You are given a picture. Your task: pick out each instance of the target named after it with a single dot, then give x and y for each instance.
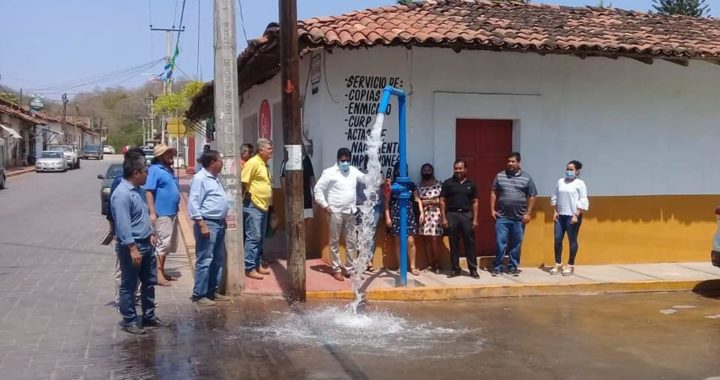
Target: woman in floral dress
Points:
(430, 229)
(392, 220)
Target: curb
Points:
(519, 290)
(16, 173)
(186, 231)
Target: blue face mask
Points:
(569, 174)
(344, 165)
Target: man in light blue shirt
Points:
(163, 198)
(135, 246)
(208, 207)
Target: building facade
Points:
(643, 126)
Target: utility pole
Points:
(167, 85)
(290, 88)
(227, 123)
(64, 119)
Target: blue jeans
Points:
(254, 228)
(209, 259)
(146, 273)
(509, 235)
(562, 225)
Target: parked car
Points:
(72, 158)
(2, 164)
(92, 151)
(51, 161)
(108, 149)
(715, 254)
(114, 170)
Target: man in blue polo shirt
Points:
(135, 246)
(163, 198)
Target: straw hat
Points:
(160, 149)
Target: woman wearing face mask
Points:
(570, 202)
(392, 220)
(429, 194)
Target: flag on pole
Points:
(170, 66)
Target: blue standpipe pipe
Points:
(401, 185)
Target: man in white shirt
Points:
(335, 192)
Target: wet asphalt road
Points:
(57, 320)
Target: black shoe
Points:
(496, 272)
(514, 272)
(133, 329)
(455, 273)
(155, 323)
(474, 273)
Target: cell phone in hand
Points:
(107, 239)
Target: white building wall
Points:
(638, 129)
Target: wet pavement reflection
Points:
(592, 337)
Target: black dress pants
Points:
(460, 225)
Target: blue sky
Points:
(51, 43)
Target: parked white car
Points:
(72, 158)
(108, 149)
(51, 161)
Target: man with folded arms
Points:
(208, 207)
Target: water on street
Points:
(57, 320)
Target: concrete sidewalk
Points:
(12, 172)
(428, 286)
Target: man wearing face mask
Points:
(511, 203)
(335, 192)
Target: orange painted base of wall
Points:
(617, 230)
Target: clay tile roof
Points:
(500, 26)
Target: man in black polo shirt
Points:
(511, 204)
(459, 206)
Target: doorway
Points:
(484, 145)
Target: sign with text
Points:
(363, 93)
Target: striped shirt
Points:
(513, 191)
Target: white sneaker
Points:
(556, 269)
(569, 270)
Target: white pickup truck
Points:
(72, 158)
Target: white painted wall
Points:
(638, 129)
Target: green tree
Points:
(178, 102)
(695, 8)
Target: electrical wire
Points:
(242, 20)
(123, 73)
(182, 14)
(197, 63)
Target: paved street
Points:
(58, 321)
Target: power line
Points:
(197, 63)
(242, 19)
(99, 78)
(182, 14)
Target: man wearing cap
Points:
(163, 198)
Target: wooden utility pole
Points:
(290, 87)
(227, 124)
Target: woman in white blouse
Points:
(570, 202)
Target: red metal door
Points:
(484, 144)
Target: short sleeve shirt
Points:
(513, 191)
(458, 195)
(161, 181)
(256, 176)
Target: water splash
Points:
(366, 228)
(371, 333)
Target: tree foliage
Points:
(695, 8)
(178, 102)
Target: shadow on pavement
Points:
(709, 289)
